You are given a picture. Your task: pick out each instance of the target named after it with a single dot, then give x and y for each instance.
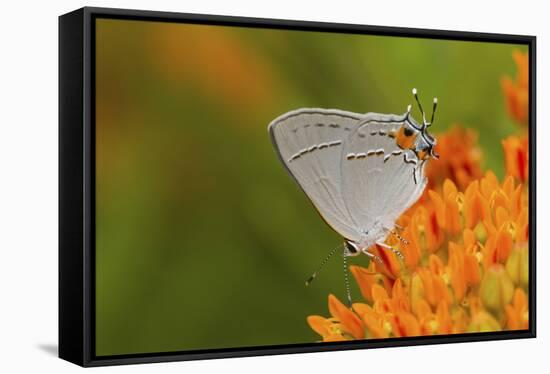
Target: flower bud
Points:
(480, 233)
(483, 322)
(496, 288)
(517, 266)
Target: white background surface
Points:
(28, 185)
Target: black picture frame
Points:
(76, 185)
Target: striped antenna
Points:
(323, 263)
(346, 280)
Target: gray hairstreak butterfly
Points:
(360, 171)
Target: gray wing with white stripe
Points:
(309, 143)
(379, 179)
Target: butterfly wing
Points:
(309, 143)
(380, 180)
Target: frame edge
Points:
(70, 252)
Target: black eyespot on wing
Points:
(407, 131)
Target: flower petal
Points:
(349, 320)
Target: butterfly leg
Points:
(419, 170)
(402, 239)
(396, 234)
(373, 256)
(385, 246)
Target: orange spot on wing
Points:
(404, 139)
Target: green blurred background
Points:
(203, 240)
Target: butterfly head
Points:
(424, 144)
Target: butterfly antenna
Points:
(323, 263)
(433, 111)
(415, 94)
(346, 280)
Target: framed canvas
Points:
(238, 186)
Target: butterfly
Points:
(360, 171)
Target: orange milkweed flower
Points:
(516, 92)
(459, 158)
(375, 325)
(329, 328)
(516, 157)
(351, 324)
(367, 277)
(517, 313)
(469, 272)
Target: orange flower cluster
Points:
(516, 93)
(459, 158)
(516, 148)
(465, 269)
(466, 265)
